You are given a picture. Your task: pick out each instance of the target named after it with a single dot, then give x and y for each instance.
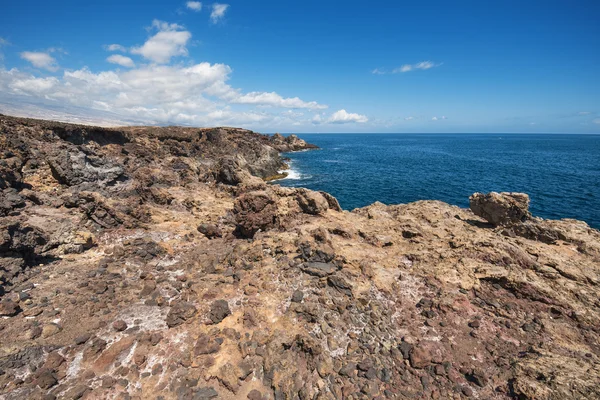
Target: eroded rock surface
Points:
(159, 265)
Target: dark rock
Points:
(119, 325)
(45, 378)
(348, 370)
(320, 269)
(205, 393)
(255, 395)
(211, 231)
(79, 340)
(297, 296)
(219, 310)
(8, 308)
(206, 345)
(255, 211)
(405, 348)
(179, 313)
(340, 284)
(71, 167)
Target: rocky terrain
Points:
(156, 263)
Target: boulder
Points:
(501, 208)
(255, 211)
(73, 167)
(312, 202)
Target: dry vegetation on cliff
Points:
(154, 263)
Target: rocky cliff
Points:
(154, 263)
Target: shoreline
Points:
(160, 256)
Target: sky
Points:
(312, 66)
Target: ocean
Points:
(560, 172)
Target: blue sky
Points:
(311, 66)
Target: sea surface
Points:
(560, 172)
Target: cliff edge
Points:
(156, 263)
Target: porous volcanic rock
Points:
(501, 208)
(111, 288)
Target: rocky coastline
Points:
(157, 263)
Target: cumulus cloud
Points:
(170, 41)
(158, 92)
(114, 47)
(423, 65)
(344, 117)
(275, 100)
(434, 118)
(194, 5)
(40, 60)
(378, 71)
(409, 118)
(218, 12)
(193, 95)
(121, 60)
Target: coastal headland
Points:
(157, 263)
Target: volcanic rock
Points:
(501, 208)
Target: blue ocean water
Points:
(561, 173)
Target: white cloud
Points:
(583, 113)
(409, 118)
(114, 47)
(596, 121)
(196, 94)
(194, 5)
(193, 95)
(378, 71)
(344, 117)
(40, 60)
(275, 100)
(423, 65)
(121, 60)
(170, 41)
(434, 118)
(218, 12)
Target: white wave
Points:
(293, 174)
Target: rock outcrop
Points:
(155, 263)
(501, 208)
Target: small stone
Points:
(529, 327)
(219, 310)
(348, 370)
(35, 332)
(119, 325)
(474, 324)
(467, 391)
(211, 231)
(45, 379)
(297, 296)
(254, 395)
(50, 330)
(179, 313)
(79, 340)
(205, 393)
(8, 308)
